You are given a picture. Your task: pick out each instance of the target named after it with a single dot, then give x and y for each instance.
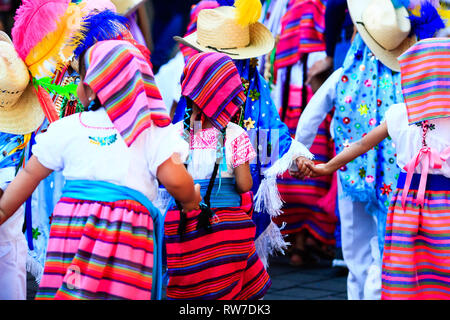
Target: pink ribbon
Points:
(429, 158)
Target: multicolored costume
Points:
(259, 116)
(219, 262)
(416, 260)
(106, 235)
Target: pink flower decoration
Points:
(370, 179)
(348, 99)
(372, 122)
(368, 83)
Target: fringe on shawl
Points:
(268, 198)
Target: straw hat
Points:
(125, 7)
(20, 110)
(217, 31)
(384, 29)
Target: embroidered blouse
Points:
(203, 145)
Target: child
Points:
(416, 256)
(212, 257)
(20, 115)
(105, 235)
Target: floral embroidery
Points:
(205, 139)
(386, 189)
(249, 124)
(242, 150)
(363, 109)
(254, 95)
(36, 233)
(103, 141)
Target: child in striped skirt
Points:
(211, 254)
(416, 259)
(106, 235)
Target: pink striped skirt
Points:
(416, 259)
(99, 250)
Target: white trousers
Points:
(360, 249)
(13, 258)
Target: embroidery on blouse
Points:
(205, 139)
(242, 150)
(103, 141)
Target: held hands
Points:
(195, 203)
(307, 169)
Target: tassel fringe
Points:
(270, 242)
(35, 268)
(268, 198)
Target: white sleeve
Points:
(316, 110)
(162, 143)
(396, 120)
(50, 145)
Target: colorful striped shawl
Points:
(212, 82)
(123, 81)
(425, 73)
(302, 31)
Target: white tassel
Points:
(268, 198)
(269, 242)
(35, 268)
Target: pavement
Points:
(322, 282)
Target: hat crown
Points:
(14, 77)
(218, 28)
(388, 26)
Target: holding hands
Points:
(308, 169)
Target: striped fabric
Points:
(416, 260)
(188, 52)
(304, 208)
(213, 83)
(302, 29)
(425, 72)
(220, 265)
(123, 81)
(99, 250)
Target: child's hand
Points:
(318, 170)
(195, 203)
(304, 168)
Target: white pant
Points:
(13, 257)
(360, 249)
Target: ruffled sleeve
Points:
(162, 143)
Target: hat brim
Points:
(261, 42)
(387, 57)
(126, 7)
(26, 117)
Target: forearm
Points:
(358, 148)
(244, 180)
(21, 188)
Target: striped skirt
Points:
(99, 250)
(219, 265)
(416, 260)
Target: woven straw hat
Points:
(20, 110)
(125, 7)
(384, 29)
(217, 31)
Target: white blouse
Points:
(86, 146)
(238, 150)
(408, 138)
